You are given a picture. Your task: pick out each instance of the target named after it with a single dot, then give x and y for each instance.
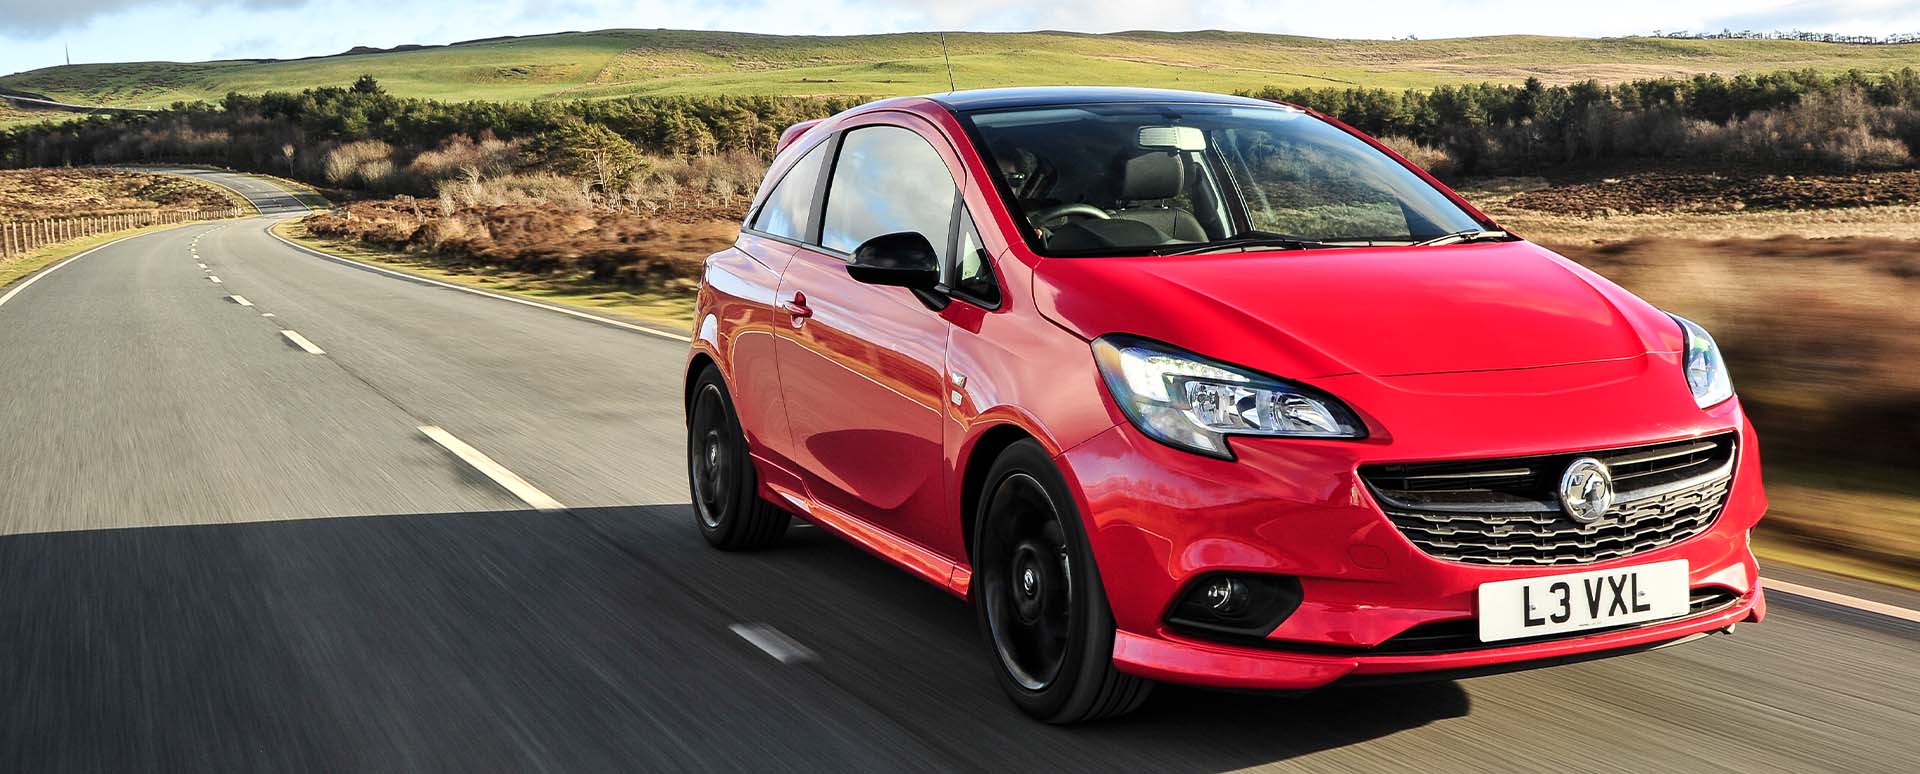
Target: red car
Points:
(1210, 390)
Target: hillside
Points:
(613, 63)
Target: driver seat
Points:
(1148, 184)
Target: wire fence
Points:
(20, 237)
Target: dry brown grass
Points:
(59, 193)
(618, 248)
(1622, 209)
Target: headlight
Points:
(1706, 370)
(1194, 403)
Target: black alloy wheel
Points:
(1039, 599)
(726, 501)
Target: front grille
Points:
(1507, 512)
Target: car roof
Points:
(1046, 96)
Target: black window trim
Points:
(810, 232)
(960, 213)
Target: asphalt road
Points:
(223, 552)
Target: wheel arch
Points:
(986, 448)
(696, 365)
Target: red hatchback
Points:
(1209, 390)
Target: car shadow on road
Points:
(596, 639)
(913, 651)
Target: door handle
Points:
(797, 306)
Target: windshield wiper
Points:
(1247, 240)
(1469, 235)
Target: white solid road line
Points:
(776, 643)
(241, 300)
(301, 342)
(479, 461)
(463, 289)
(1832, 598)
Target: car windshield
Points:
(1130, 179)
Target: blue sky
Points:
(32, 32)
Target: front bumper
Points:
(1158, 518)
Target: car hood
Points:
(1386, 311)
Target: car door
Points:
(862, 367)
(745, 286)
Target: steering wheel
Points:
(1058, 211)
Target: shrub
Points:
(366, 164)
(465, 156)
(1427, 157)
(590, 152)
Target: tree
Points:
(367, 85)
(591, 152)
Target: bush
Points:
(1427, 157)
(363, 164)
(590, 152)
(463, 156)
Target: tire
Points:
(1038, 598)
(726, 500)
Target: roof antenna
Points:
(944, 55)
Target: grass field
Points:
(15, 116)
(612, 63)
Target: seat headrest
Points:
(1152, 175)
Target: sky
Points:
(33, 33)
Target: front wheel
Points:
(1038, 596)
(726, 500)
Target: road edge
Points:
(412, 277)
(13, 287)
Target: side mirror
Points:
(905, 259)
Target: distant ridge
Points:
(656, 62)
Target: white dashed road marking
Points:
(241, 300)
(479, 461)
(216, 279)
(775, 642)
(301, 342)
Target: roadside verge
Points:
(668, 315)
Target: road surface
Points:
(230, 548)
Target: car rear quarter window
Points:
(789, 206)
(888, 180)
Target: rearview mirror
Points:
(905, 259)
(1173, 138)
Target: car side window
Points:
(789, 206)
(972, 271)
(888, 180)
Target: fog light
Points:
(1235, 604)
(1225, 596)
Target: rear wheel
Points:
(1038, 596)
(726, 500)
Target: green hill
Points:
(613, 63)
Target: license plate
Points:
(1552, 604)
